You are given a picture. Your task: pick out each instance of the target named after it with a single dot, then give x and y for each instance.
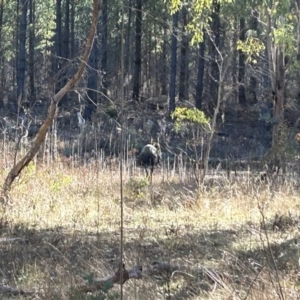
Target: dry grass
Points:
(70, 215)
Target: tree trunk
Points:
(172, 91)
(278, 97)
(21, 60)
(57, 44)
(104, 64)
(241, 70)
(92, 83)
(65, 49)
(163, 65)
(138, 50)
(21, 164)
(200, 74)
(31, 71)
(297, 2)
(235, 55)
(72, 31)
(214, 44)
(184, 46)
(128, 39)
(1, 57)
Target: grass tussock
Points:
(230, 239)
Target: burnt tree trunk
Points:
(163, 65)
(200, 74)
(241, 69)
(104, 39)
(31, 71)
(2, 68)
(172, 91)
(138, 51)
(184, 46)
(21, 60)
(214, 44)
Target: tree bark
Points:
(235, 55)
(172, 91)
(163, 66)
(22, 163)
(57, 43)
(184, 46)
(92, 83)
(31, 52)
(72, 31)
(1, 57)
(214, 43)
(21, 61)
(138, 51)
(200, 75)
(241, 69)
(104, 63)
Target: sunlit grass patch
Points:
(69, 216)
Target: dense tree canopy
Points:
(243, 53)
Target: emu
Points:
(149, 157)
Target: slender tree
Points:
(184, 47)
(31, 70)
(214, 45)
(23, 162)
(138, 51)
(200, 74)
(21, 58)
(241, 69)
(172, 88)
(1, 56)
(104, 46)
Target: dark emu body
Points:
(149, 157)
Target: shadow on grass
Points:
(53, 262)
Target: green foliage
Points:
(184, 115)
(251, 47)
(62, 181)
(136, 188)
(44, 24)
(104, 294)
(111, 111)
(200, 11)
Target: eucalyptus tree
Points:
(21, 49)
(1, 55)
(31, 42)
(200, 74)
(104, 47)
(278, 23)
(138, 49)
(172, 87)
(184, 53)
(23, 162)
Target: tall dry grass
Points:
(224, 237)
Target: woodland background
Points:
(234, 235)
(243, 54)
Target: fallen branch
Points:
(6, 290)
(161, 269)
(137, 272)
(13, 240)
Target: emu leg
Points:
(151, 172)
(146, 171)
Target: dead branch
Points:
(6, 290)
(13, 240)
(155, 269)
(137, 272)
(22, 163)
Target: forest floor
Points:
(230, 239)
